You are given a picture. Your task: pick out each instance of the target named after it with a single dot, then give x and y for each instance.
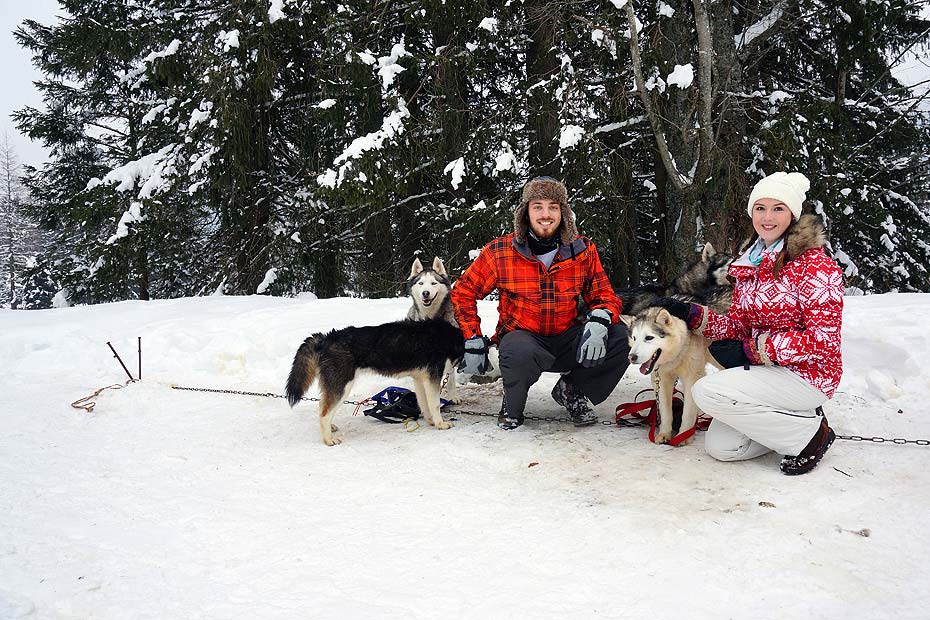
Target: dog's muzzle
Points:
(648, 366)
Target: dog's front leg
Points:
(689, 412)
(452, 392)
(664, 387)
(427, 391)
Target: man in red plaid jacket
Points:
(540, 270)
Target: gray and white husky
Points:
(429, 290)
(669, 351)
(704, 282)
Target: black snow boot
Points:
(505, 420)
(567, 395)
(811, 455)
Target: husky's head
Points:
(717, 264)
(708, 271)
(428, 286)
(656, 337)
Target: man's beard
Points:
(543, 245)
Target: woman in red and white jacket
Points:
(780, 339)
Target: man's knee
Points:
(522, 356)
(514, 347)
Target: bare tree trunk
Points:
(624, 265)
(450, 85)
(542, 66)
(692, 126)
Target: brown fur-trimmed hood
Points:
(549, 189)
(809, 232)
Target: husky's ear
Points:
(708, 252)
(663, 317)
(416, 268)
(438, 267)
(627, 319)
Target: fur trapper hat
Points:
(788, 187)
(544, 188)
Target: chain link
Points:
(896, 440)
(485, 414)
(243, 393)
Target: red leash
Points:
(635, 408)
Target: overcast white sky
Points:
(18, 73)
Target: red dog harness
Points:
(651, 418)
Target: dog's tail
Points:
(304, 370)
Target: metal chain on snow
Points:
(484, 414)
(897, 440)
(243, 393)
(535, 418)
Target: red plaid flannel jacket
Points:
(532, 298)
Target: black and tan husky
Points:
(423, 350)
(703, 282)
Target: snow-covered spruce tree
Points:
(214, 69)
(832, 109)
(114, 237)
(418, 172)
(602, 154)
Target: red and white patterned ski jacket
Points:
(793, 320)
(533, 298)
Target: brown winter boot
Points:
(810, 455)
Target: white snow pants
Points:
(757, 411)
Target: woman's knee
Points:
(721, 449)
(725, 443)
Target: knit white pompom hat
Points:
(788, 187)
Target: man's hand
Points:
(475, 361)
(678, 309)
(593, 344)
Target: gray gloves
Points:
(475, 361)
(593, 345)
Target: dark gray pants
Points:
(524, 356)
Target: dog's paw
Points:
(662, 438)
(444, 425)
(687, 441)
(456, 400)
(332, 441)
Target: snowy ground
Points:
(163, 504)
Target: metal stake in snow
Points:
(116, 355)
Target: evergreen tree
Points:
(247, 146)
